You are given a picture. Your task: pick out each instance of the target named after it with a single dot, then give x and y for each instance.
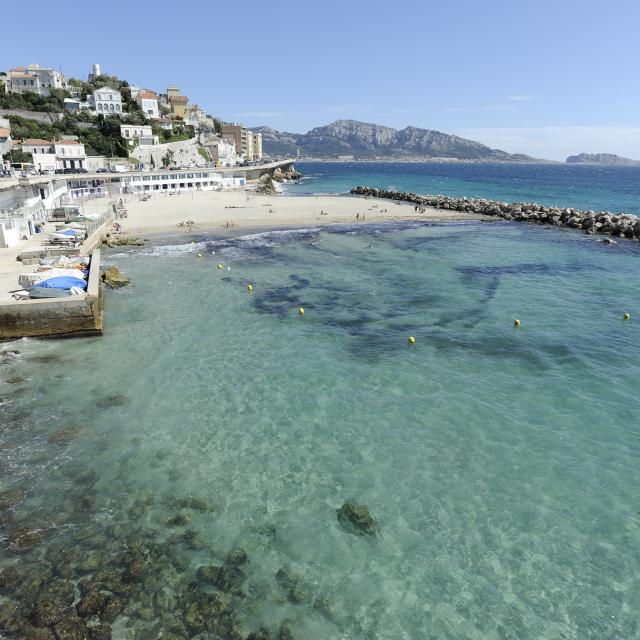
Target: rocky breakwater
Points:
(619, 225)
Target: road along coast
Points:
(620, 225)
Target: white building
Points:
(141, 134)
(176, 181)
(107, 101)
(148, 103)
(48, 155)
(222, 152)
(35, 80)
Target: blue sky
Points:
(536, 76)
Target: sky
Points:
(547, 78)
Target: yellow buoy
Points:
(626, 316)
(516, 323)
(249, 288)
(411, 340)
(301, 311)
(219, 266)
(199, 255)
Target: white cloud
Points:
(556, 143)
(520, 98)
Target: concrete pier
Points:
(58, 317)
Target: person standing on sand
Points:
(357, 216)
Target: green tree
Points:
(167, 158)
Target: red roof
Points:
(148, 95)
(36, 141)
(4, 133)
(68, 142)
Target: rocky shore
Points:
(619, 225)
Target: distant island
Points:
(354, 140)
(601, 158)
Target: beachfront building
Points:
(177, 181)
(222, 152)
(148, 103)
(138, 134)
(34, 79)
(107, 101)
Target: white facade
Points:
(177, 181)
(142, 133)
(35, 80)
(65, 154)
(148, 103)
(70, 154)
(223, 152)
(107, 101)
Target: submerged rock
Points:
(71, 628)
(10, 498)
(24, 539)
(178, 520)
(53, 602)
(92, 603)
(114, 278)
(189, 502)
(260, 634)
(355, 518)
(100, 631)
(64, 436)
(286, 631)
(114, 400)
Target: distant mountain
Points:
(601, 158)
(368, 141)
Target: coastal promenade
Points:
(252, 172)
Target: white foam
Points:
(169, 250)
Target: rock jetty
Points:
(621, 225)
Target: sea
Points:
(181, 476)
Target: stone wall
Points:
(621, 225)
(185, 153)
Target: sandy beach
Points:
(213, 211)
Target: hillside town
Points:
(66, 141)
(53, 124)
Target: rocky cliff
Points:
(364, 140)
(601, 158)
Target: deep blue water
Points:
(587, 187)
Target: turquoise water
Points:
(584, 186)
(501, 464)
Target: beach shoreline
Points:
(225, 211)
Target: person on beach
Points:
(357, 216)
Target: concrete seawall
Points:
(621, 225)
(59, 317)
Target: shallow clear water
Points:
(594, 187)
(501, 464)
